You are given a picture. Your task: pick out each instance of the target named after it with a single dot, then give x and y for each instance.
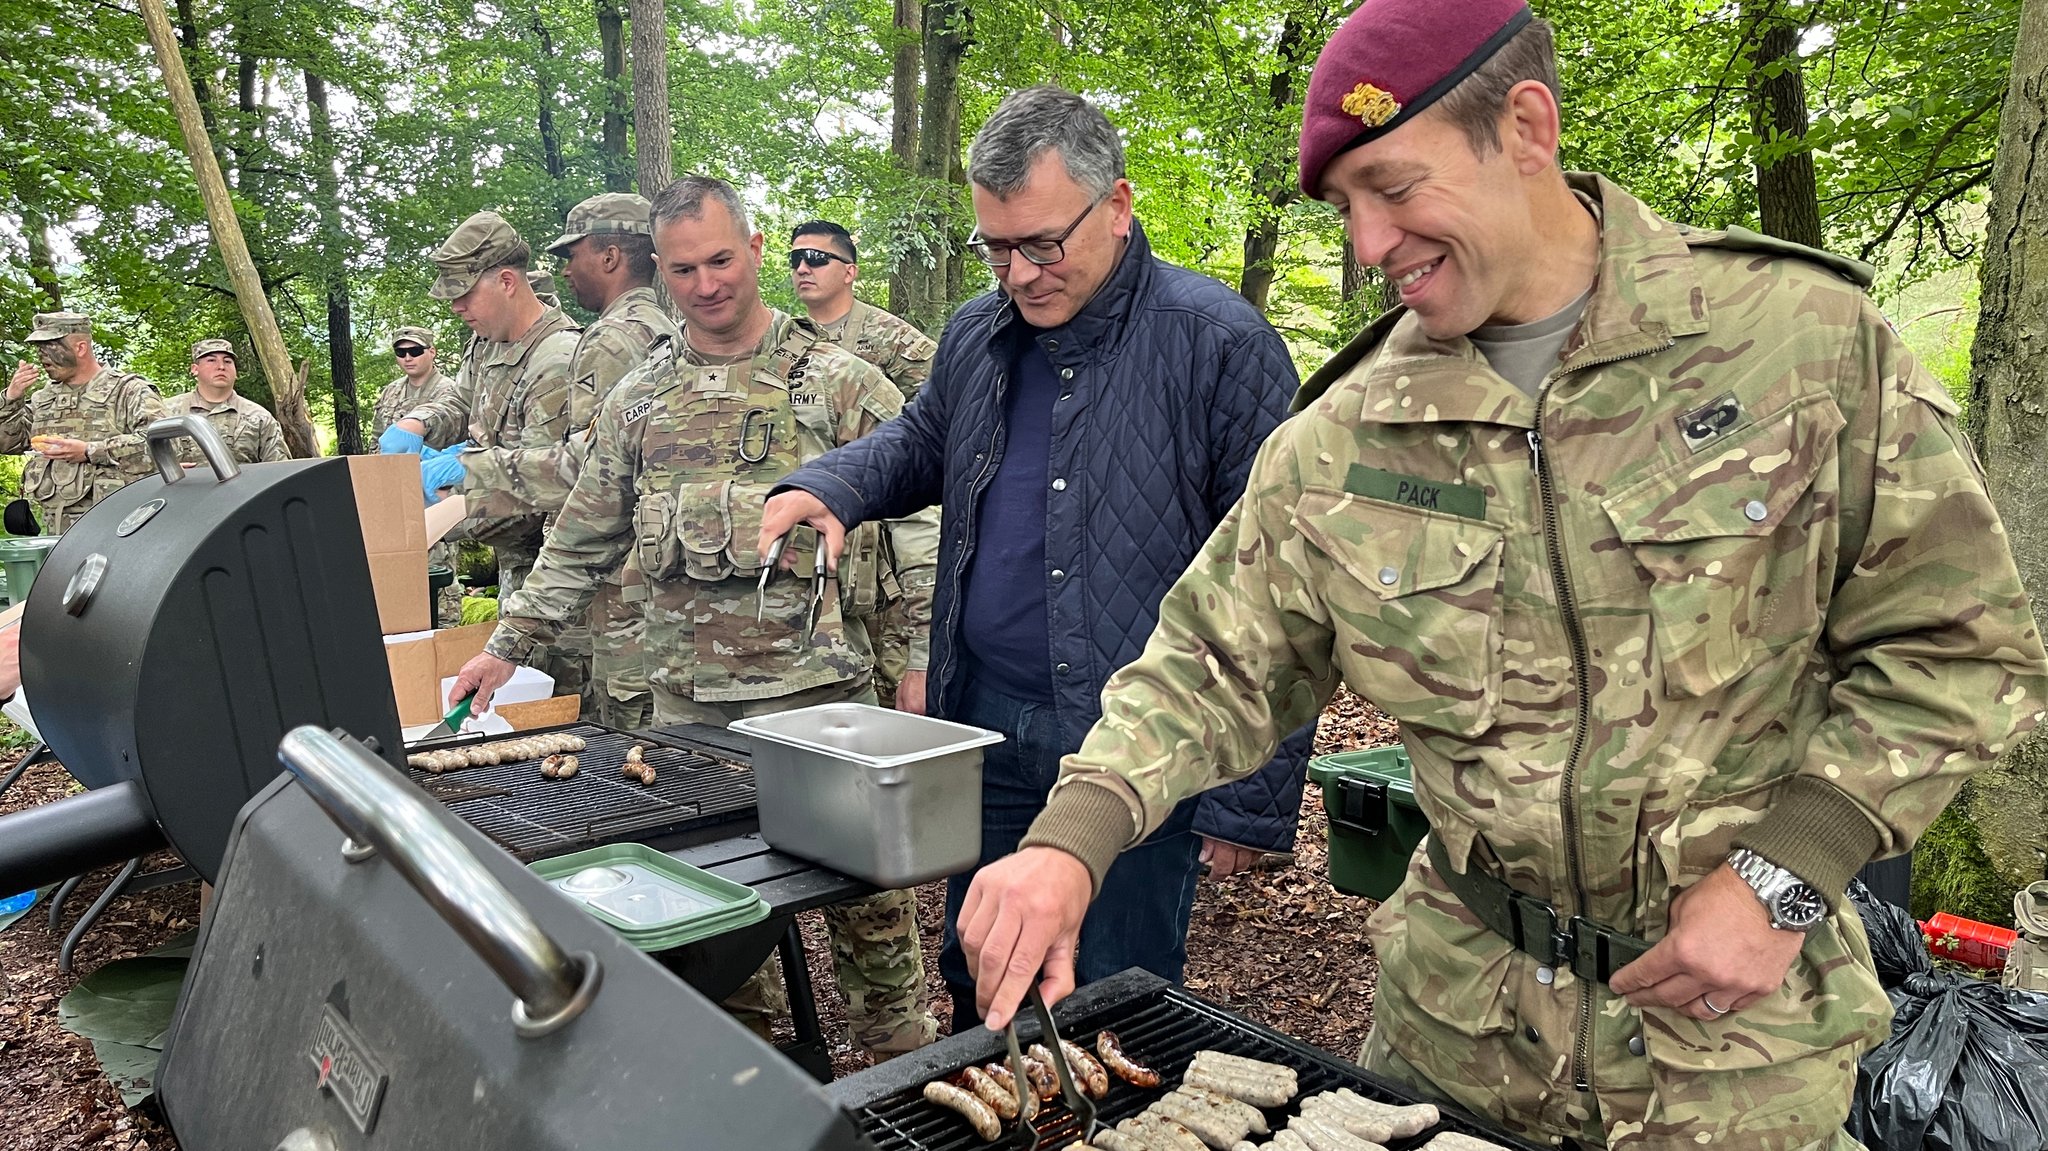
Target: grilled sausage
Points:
(978, 1114)
(1459, 1141)
(1266, 1091)
(1207, 1123)
(1253, 1118)
(568, 767)
(1088, 1074)
(1372, 1119)
(1163, 1133)
(1045, 1082)
(1109, 1139)
(1129, 1070)
(417, 759)
(1322, 1134)
(999, 1098)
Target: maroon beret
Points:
(1389, 61)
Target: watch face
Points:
(1800, 907)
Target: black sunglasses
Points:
(407, 352)
(815, 257)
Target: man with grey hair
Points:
(1086, 425)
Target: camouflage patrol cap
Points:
(1390, 60)
(543, 285)
(209, 347)
(424, 337)
(483, 243)
(57, 325)
(607, 214)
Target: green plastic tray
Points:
(1375, 824)
(705, 905)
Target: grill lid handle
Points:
(162, 432)
(371, 802)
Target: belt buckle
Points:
(1554, 931)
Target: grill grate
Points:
(535, 817)
(1162, 1027)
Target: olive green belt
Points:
(1591, 950)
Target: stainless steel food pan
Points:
(885, 796)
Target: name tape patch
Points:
(638, 409)
(1462, 500)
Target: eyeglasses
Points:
(996, 253)
(408, 352)
(815, 257)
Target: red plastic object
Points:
(1980, 945)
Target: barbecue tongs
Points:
(1027, 1135)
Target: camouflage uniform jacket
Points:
(509, 395)
(1731, 578)
(401, 396)
(109, 412)
(512, 480)
(251, 433)
(887, 341)
(665, 478)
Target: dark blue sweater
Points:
(1004, 624)
(1172, 383)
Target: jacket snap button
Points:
(1058, 574)
(1534, 1035)
(1635, 1045)
(1546, 976)
(1066, 373)
(1756, 511)
(1389, 576)
(1059, 485)
(1060, 667)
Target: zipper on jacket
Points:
(1575, 634)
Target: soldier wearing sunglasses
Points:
(420, 382)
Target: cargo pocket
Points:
(704, 530)
(655, 547)
(1731, 546)
(1418, 618)
(745, 505)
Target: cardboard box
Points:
(420, 660)
(393, 512)
(423, 667)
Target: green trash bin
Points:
(438, 576)
(1375, 824)
(22, 557)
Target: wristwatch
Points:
(1793, 903)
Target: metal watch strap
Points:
(1770, 882)
(1591, 950)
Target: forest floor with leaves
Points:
(1280, 946)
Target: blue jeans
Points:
(1140, 919)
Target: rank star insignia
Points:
(1372, 105)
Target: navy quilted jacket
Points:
(1173, 381)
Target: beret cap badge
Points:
(1372, 105)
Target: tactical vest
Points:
(80, 414)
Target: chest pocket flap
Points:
(1415, 603)
(1733, 545)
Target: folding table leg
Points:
(92, 913)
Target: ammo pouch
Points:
(867, 572)
(1591, 951)
(707, 531)
(2026, 965)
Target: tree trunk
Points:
(544, 85)
(1785, 193)
(1273, 183)
(2008, 418)
(227, 234)
(653, 132)
(42, 264)
(946, 39)
(341, 342)
(906, 62)
(188, 32)
(611, 35)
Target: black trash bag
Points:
(1896, 945)
(1965, 1069)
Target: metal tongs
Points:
(816, 605)
(1077, 1101)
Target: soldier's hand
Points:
(910, 692)
(62, 448)
(1226, 859)
(1720, 955)
(482, 676)
(1021, 921)
(24, 378)
(786, 510)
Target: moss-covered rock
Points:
(1952, 873)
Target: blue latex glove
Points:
(443, 470)
(398, 441)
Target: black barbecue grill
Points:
(535, 817)
(1161, 1026)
